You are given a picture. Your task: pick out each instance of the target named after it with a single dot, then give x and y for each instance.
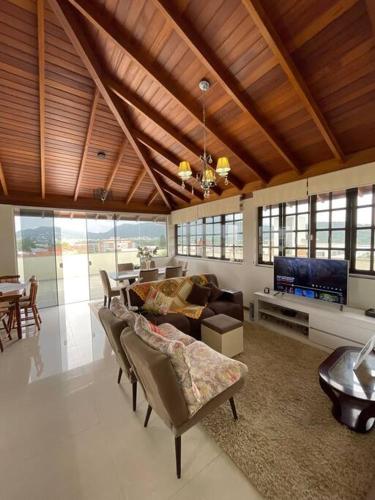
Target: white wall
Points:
(250, 277)
(8, 261)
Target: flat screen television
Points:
(322, 279)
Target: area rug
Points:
(286, 440)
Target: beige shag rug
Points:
(286, 441)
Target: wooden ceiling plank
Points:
(173, 192)
(269, 33)
(73, 29)
(207, 57)
(135, 186)
(370, 4)
(42, 96)
(92, 14)
(176, 180)
(3, 181)
(90, 128)
(117, 164)
(138, 104)
(152, 198)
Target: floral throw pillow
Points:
(122, 312)
(172, 333)
(175, 350)
(157, 302)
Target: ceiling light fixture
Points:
(207, 176)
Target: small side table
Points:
(224, 334)
(351, 392)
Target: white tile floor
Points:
(67, 430)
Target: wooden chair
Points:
(11, 278)
(173, 272)
(148, 275)
(7, 308)
(126, 266)
(29, 304)
(109, 292)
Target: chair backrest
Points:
(113, 327)
(173, 271)
(11, 278)
(158, 378)
(105, 281)
(148, 275)
(126, 266)
(152, 264)
(33, 291)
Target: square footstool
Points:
(224, 334)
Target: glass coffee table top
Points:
(337, 371)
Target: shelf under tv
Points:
(313, 321)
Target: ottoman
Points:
(224, 334)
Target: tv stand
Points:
(314, 321)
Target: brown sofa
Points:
(230, 303)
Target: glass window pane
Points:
(266, 238)
(302, 252)
(275, 223)
(364, 196)
(303, 221)
(290, 208)
(290, 239)
(337, 254)
(338, 219)
(338, 239)
(290, 222)
(322, 238)
(274, 253)
(322, 220)
(339, 200)
(302, 239)
(290, 252)
(275, 239)
(363, 238)
(303, 206)
(266, 211)
(238, 253)
(275, 210)
(321, 253)
(322, 202)
(217, 252)
(364, 217)
(266, 254)
(362, 261)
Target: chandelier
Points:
(207, 177)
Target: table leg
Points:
(18, 320)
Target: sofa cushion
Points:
(215, 293)
(199, 295)
(122, 312)
(178, 320)
(212, 372)
(195, 324)
(170, 332)
(229, 308)
(157, 302)
(176, 351)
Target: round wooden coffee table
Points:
(351, 392)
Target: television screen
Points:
(322, 279)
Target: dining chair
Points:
(11, 278)
(148, 275)
(109, 291)
(29, 304)
(126, 266)
(7, 314)
(173, 272)
(152, 264)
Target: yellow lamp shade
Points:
(222, 167)
(184, 170)
(208, 176)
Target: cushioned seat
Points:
(195, 324)
(228, 308)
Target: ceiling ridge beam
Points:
(273, 40)
(89, 130)
(138, 104)
(227, 81)
(176, 180)
(42, 97)
(74, 31)
(2, 180)
(117, 164)
(158, 74)
(152, 198)
(135, 186)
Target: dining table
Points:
(131, 275)
(15, 290)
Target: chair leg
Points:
(134, 387)
(35, 315)
(105, 300)
(148, 413)
(233, 406)
(119, 375)
(177, 446)
(109, 301)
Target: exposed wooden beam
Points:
(73, 29)
(167, 174)
(158, 73)
(152, 198)
(370, 4)
(89, 130)
(42, 97)
(135, 186)
(269, 33)
(117, 164)
(172, 159)
(2, 180)
(173, 192)
(217, 69)
(137, 103)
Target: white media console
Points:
(319, 322)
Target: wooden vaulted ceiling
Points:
(292, 95)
